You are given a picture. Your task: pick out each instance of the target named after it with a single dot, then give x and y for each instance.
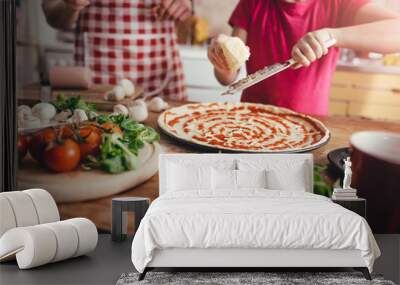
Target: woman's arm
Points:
(63, 14)
(224, 75)
(376, 29)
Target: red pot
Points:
(376, 176)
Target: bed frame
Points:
(242, 259)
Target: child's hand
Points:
(179, 10)
(311, 47)
(77, 5)
(217, 57)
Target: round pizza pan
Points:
(230, 150)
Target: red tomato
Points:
(39, 141)
(22, 147)
(111, 127)
(62, 156)
(67, 131)
(90, 141)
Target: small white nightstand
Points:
(357, 205)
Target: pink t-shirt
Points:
(273, 28)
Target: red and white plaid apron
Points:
(122, 39)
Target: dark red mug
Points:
(376, 176)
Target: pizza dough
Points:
(235, 51)
(244, 127)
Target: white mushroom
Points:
(31, 122)
(121, 109)
(92, 115)
(157, 104)
(21, 117)
(63, 116)
(138, 112)
(137, 102)
(116, 94)
(44, 111)
(20, 121)
(78, 116)
(24, 110)
(128, 87)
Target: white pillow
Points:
(251, 179)
(223, 179)
(183, 177)
(226, 179)
(293, 178)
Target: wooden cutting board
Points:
(81, 185)
(32, 94)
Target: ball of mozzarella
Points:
(235, 51)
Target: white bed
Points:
(195, 223)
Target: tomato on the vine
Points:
(66, 131)
(39, 142)
(62, 155)
(89, 141)
(112, 128)
(22, 147)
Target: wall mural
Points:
(92, 123)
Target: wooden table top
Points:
(99, 210)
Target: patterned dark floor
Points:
(244, 278)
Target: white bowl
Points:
(381, 145)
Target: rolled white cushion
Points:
(35, 245)
(235, 51)
(7, 218)
(45, 205)
(87, 235)
(67, 240)
(23, 208)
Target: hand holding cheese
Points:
(228, 53)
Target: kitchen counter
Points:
(368, 68)
(99, 211)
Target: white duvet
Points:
(250, 219)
